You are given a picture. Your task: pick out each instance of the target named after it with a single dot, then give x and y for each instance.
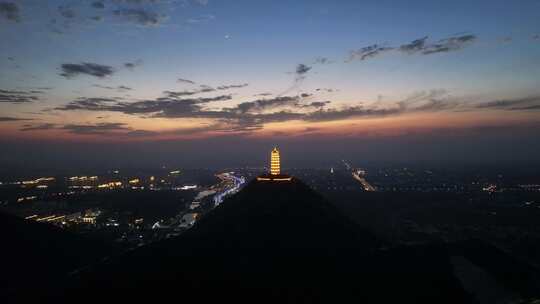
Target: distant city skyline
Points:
(179, 81)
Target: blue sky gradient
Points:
(484, 74)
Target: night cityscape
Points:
(270, 152)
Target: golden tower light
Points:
(274, 162)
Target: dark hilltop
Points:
(272, 242)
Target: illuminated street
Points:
(359, 175)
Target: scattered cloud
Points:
(242, 117)
(263, 94)
(368, 52)
(300, 73)
(349, 112)
(327, 90)
(38, 127)
(202, 89)
(422, 96)
(139, 16)
(205, 88)
(430, 101)
(95, 129)
(103, 87)
(98, 4)
(322, 60)
(178, 94)
(70, 70)
(201, 19)
(418, 46)
(14, 96)
(66, 12)
(124, 88)
(232, 86)
(92, 104)
(171, 104)
(164, 107)
(317, 104)
(302, 69)
(141, 133)
(106, 128)
(518, 104)
(10, 11)
(262, 105)
(415, 46)
(252, 115)
(528, 108)
(8, 118)
(183, 80)
(449, 44)
(120, 88)
(132, 65)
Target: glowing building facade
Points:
(274, 162)
(275, 170)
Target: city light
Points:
(38, 180)
(110, 185)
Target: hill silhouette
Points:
(35, 254)
(271, 242)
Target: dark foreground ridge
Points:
(272, 242)
(35, 254)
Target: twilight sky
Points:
(374, 80)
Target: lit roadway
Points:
(231, 185)
(359, 177)
(367, 186)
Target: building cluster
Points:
(88, 216)
(125, 225)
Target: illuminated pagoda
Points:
(275, 169)
(274, 162)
